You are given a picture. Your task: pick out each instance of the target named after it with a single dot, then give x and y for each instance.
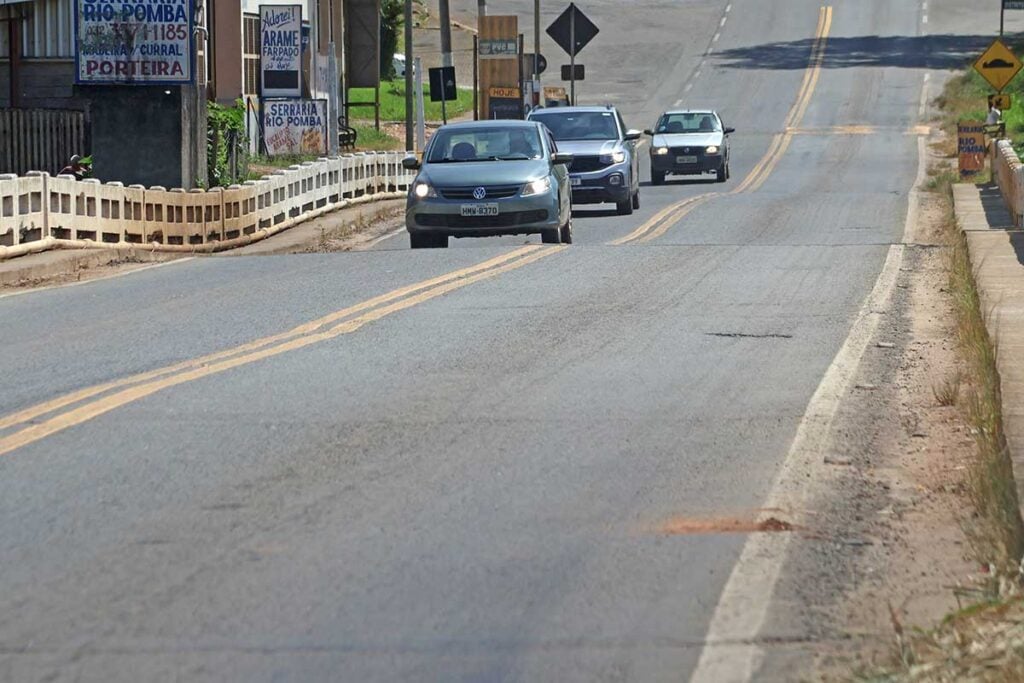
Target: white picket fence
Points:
(1008, 172)
(38, 211)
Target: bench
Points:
(346, 135)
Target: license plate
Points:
(686, 160)
(479, 209)
(575, 182)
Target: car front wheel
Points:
(566, 232)
(657, 177)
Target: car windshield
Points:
(485, 144)
(690, 122)
(580, 125)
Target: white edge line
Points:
(731, 652)
(98, 279)
(716, 37)
(385, 236)
(728, 8)
(678, 102)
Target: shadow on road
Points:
(943, 51)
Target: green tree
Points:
(391, 20)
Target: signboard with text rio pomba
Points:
(134, 42)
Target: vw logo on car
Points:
(479, 193)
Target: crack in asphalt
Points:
(748, 335)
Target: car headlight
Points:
(423, 190)
(534, 187)
(660, 150)
(616, 157)
(713, 149)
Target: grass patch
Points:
(369, 138)
(392, 102)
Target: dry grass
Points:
(947, 393)
(985, 640)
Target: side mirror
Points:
(648, 131)
(730, 130)
(411, 164)
(632, 134)
(561, 158)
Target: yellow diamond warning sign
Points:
(998, 65)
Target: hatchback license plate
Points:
(479, 209)
(686, 160)
(575, 182)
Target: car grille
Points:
(502, 220)
(493, 192)
(688, 151)
(587, 164)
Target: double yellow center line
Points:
(42, 420)
(661, 222)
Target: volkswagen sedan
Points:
(484, 178)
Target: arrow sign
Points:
(998, 65)
(562, 30)
(542, 64)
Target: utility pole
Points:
(408, 75)
(446, 52)
(536, 48)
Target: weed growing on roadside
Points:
(948, 392)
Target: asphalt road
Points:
(468, 480)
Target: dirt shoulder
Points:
(885, 547)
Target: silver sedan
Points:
(486, 178)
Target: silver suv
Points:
(605, 167)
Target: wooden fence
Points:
(41, 139)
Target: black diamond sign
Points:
(562, 30)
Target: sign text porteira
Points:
(134, 42)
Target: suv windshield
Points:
(485, 144)
(690, 122)
(580, 125)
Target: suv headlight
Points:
(616, 157)
(660, 151)
(713, 149)
(535, 187)
(423, 189)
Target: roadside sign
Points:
(132, 42)
(572, 30)
(998, 65)
(442, 83)
(971, 147)
(498, 48)
(573, 72)
(504, 92)
(1000, 102)
(281, 50)
(542, 63)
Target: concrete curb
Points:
(997, 256)
(62, 263)
(53, 258)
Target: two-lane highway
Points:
(463, 464)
